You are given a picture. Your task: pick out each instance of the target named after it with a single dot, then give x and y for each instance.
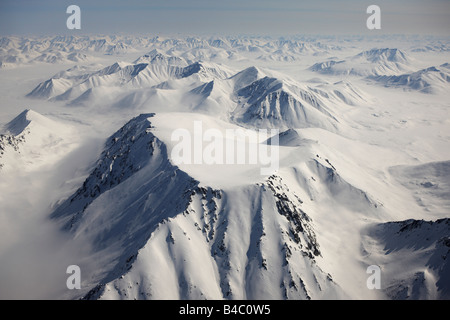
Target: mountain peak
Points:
(246, 77)
(260, 86)
(376, 55)
(157, 57)
(23, 120)
(154, 53)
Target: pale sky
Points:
(226, 17)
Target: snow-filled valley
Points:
(358, 133)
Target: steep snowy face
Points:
(128, 151)
(269, 103)
(132, 188)
(50, 88)
(424, 246)
(246, 77)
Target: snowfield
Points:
(89, 175)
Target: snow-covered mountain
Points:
(360, 176)
(157, 57)
(68, 86)
(32, 140)
(135, 205)
(374, 62)
(195, 231)
(250, 97)
(20, 51)
(290, 138)
(429, 80)
(269, 102)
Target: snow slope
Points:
(423, 246)
(428, 183)
(32, 141)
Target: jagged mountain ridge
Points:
(135, 157)
(64, 86)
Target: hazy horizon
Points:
(286, 17)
